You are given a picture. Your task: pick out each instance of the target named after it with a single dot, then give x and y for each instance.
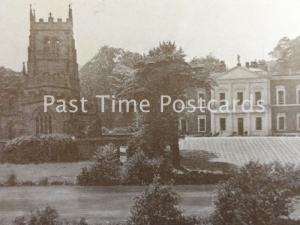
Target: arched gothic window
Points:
(43, 123)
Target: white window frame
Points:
(201, 117)
(297, 94)
(279, 116)
(298, 121)
(278, 89)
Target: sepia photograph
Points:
(161, 112)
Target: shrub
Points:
(40, 149)
(43, 182)
(158, 204)
(197, 221)
(28, 183)
(46, 216)
(49, 216)
(256, 194)
(105, 169)
(139, 169)
(11, 180)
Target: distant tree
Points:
(287, 54)
(104, 74)
(163, 71)
(209, 62)
(283, 50)
(256, 195)
(157, 205)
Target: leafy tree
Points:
(283, 50)
(163, 71)
(209, 62)
(139, 169)
(104, 74)
(105, 169)
(256, 195)
(158, 204)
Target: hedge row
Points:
(40, 149)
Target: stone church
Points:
(52, 69)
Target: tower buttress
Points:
(32, 15)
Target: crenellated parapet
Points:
(51, 23)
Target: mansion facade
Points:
(279, 95)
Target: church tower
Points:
(52, 62)
(52, 69)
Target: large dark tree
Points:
(163, 71)
(257, 194)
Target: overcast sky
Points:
(224, 28)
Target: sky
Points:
(224, 28)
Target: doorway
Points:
(241, 126)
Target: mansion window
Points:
(280, 96)
(222, 97)
(258, 123)
(240, 98)
(298, 95)
(281, 123)
(298, 122)
(222, 124)
(257, 97)
(43, 124)
(201, 123)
